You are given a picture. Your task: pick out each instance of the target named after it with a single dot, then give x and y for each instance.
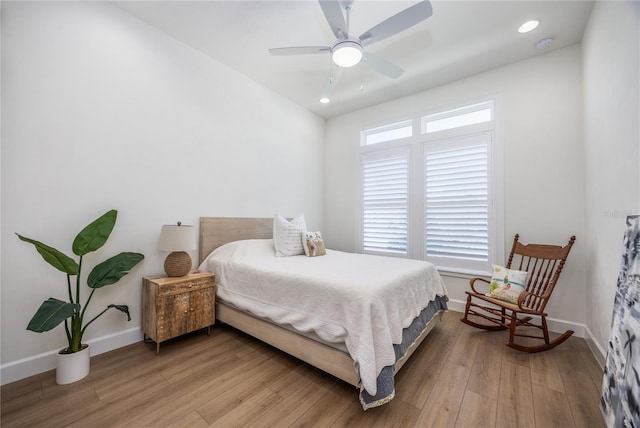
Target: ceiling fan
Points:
(348, 50)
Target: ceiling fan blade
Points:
(397, 23)
(300, 50)
(334, 76)
(382, 66)
(335, 17)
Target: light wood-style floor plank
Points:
(459, 377)
(551, 408)
(443, 406)
(545, 372)
(190, 420)
(428, 361)
(515, 397)
(326, 411)
(477, 411)
(582, 394)
(299, 395)
(485, 372)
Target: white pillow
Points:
(287, 235)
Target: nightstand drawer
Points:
(185, 286)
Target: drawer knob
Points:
(190, 285)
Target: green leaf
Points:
(51, 313)
(111, 270)
(95, 234)
(122, 308)
(55, 258)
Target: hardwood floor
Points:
(459, 377)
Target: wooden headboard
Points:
(217, 231)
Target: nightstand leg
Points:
(209, 331)
(157, 348)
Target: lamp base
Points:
(177, 263)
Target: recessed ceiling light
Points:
(528, 26)
(324, 100)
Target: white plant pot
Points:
(73, 367)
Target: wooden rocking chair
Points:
(544, 264)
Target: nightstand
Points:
(173, 306)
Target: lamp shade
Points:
(177, 237)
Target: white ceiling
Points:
(462, 38)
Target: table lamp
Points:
(177, 238)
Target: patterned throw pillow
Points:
(313, 244)
(507, 284)
(286, 235)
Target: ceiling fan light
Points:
(347, 54)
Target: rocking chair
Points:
(543, 263)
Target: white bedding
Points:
(362, 300)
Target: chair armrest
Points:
(535, 301)
(472, 284)
(521, 298)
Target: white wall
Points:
(101, 111)
(539, 110)
(611, 48)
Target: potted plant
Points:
(53, 311)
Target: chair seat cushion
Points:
(507, 284)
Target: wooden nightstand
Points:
(175, 306)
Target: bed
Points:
(345, 347)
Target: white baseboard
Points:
(20, 369)
(456, 305)
(597, 351)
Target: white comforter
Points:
(362, 300)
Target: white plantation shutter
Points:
(457, 202)
(385, 201)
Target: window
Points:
(385, 211)
(394, 131)
(456, 200)
(456, 118)
(431, 193)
